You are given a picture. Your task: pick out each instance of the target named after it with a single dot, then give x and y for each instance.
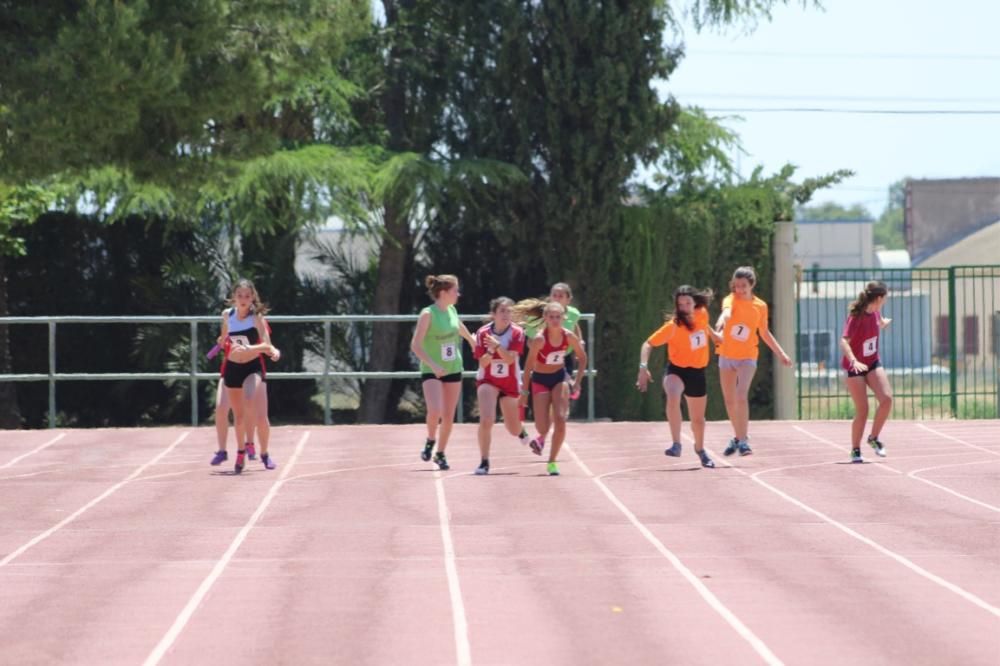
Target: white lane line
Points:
(21, 476)
(462, 650)
(917, 569)
(886, 467)
(79, 512)
(192, 605)
(956, 439)
(14, 461)
(713, 601)
(914, 473)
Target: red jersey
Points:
(551, 354)
(505, 376)
(861, 333)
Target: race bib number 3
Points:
(499, 369)
(698, 340)
(555, 358)
(870, 347)
(740, 332)
(449, 352)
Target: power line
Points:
(845, 56)
(897, 112)
(841, 98)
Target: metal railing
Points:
(941, 352)
(194, 376)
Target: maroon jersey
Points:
(861, 333)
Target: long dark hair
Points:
(701, 297)
(873, 291)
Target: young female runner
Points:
(437, 342)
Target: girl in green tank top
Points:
(437, 342)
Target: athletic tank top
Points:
(551, 354)
(442, 343)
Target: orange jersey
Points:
(740, 338)
(686, 349)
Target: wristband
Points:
(642, 366)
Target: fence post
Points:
(194, 373)
(784, 317)
(590, 368)
(327, 420)
(953, 339)
(996, 358)
(52, 374)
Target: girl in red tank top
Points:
(545, 372)
(859, 345)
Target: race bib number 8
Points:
(449, 352)
(740, 332)
(698, 340)
(870, 346)
(499, 369)
(555, 358)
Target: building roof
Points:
(982, 246)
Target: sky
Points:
(885, 55)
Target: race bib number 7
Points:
(698, 340)
(449, 352)
(870, 346)
(740, 332)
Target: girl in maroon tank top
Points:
(860, 346)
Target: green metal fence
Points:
(940, 352)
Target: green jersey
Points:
(442, 343)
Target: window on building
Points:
(942, 336)
(970, 334)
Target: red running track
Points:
(125, 547)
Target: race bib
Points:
(499, 369)
(740, 332)
(698, 340)
(238, 340)
(870, 346)
(449, 352)
(555, 358)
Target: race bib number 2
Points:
(499, 369)
(870, 347)
(555, 358)
(740, 332)
(449, 352)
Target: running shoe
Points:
(441, 461)
(553, 469)
(877, 445)
(734, 444)
(745, 449)
(484, 468)
(537, 444)
(856, 456)
(524, 437)
(268, 461)
(705, 460)
(674, 451)
(220, 457)
(238, 468)
(251, 451)
(425, 455)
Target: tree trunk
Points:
(394, 254)
(10, 414)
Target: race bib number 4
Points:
(698, 340)
(740, 332)
(870, 347)
(555, 358)
(499, 369)
(449, 352)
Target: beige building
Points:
(834, 243)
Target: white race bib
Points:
(240, 340)
(449, 352)
(870, 347)
(555, 358)
(698, 340)
(740, 332)
(499, 369)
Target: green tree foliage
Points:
(889, 225)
